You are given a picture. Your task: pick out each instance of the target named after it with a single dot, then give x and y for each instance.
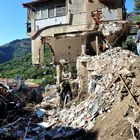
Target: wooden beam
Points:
(97, 46)
(129, 91)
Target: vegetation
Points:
(137, 5)
(130, 44)
(21, 65)
(14, 49)
(136, 16)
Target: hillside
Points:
(16, 56)
(14, 49)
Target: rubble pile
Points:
(111, 68)
(116, 76)
(112, 61)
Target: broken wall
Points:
(110, 10)
(37, 52)
(106, 66)
(68, 48)
(82, 73)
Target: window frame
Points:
(46, 14)
(38, 14)
(51, 14)
(64, 10)
(51, 8)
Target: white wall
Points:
(50, 22)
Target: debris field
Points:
(110, 112)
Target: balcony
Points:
(41, 23)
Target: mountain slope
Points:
(14, 49)
(20, 63)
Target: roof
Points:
(30, 4)
(7, 80)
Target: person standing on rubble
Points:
(92, 84)
(138, 38)
(65, 86)
(65, 92)
(66, 74)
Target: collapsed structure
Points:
(110, 112)
(75, 30)
(73, 27)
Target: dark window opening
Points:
(28, 27)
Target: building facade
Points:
(68, 27)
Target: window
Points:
(51, 12)
(28, 27)
(61, 10)
(38, 14)
(44, 13)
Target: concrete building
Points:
(72, 27)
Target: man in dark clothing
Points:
(65, 93)
(138, 38)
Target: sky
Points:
(13, 19)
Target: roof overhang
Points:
(106, 1)
(109, 1)
(33, 3)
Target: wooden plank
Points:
(97, 46)
(129, 91)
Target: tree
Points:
(137, 6)
(137, 10)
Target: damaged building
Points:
(77, 32)
(74, 27)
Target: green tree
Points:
(137, 6)
(137, 10)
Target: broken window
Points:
(61, 10)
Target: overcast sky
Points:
(13, 19)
